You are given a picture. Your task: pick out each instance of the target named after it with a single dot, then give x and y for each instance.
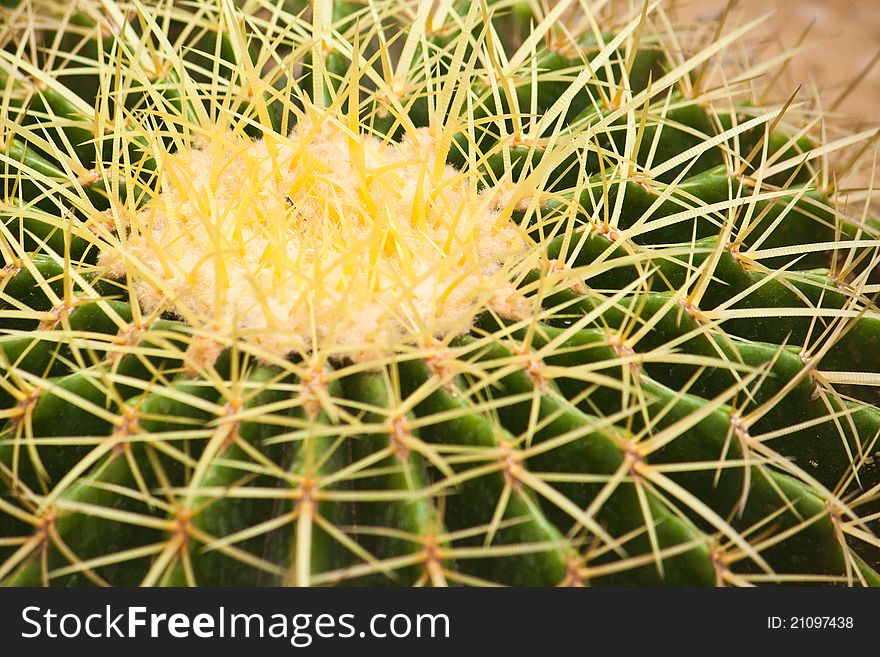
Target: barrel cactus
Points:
(407, 293)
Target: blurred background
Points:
(843, 39)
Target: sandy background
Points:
(843, 40)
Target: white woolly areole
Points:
(324, 241)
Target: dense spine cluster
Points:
(689, 400)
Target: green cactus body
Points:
(390, 294)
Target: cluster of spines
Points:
(650, 425)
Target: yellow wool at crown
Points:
(321, 237)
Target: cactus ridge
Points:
(676, 387)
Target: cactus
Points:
(406, 293)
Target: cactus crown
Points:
(338, 240)
(416, 292)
